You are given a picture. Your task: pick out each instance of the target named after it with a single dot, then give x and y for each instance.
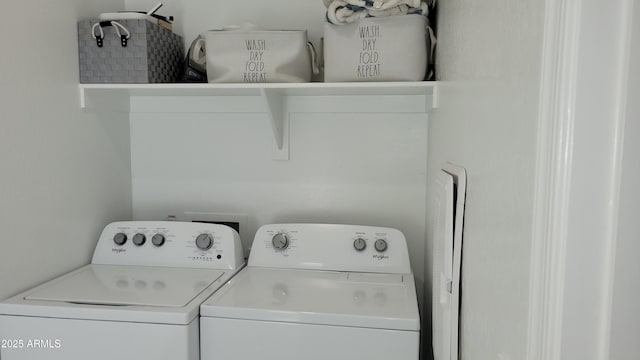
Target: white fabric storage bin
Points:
(264, 56)
(393, 48)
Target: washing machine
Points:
(139, 297)
(317, 291)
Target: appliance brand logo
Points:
(380, 257)
(118, 251)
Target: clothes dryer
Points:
(138, 299)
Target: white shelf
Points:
(299, 89)
(273, 95)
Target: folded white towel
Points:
(380, 4)
(402, 9)
(339, 12)
(348, 11)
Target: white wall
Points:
(625, 323)
(193, 17)
(347, 166)
(489, 61)
(64, 173)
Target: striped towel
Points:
(347, 11)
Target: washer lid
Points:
(383, 301)
(128, 285)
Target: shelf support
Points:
(83, 98)
(274, 101)
(435, 98)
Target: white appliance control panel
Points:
(331, 247)
(169, 244)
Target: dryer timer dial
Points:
(280, 241)
(204, 241)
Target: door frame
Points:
(553, 232)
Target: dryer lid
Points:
(382, 301)
(129, 285)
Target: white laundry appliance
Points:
(317, 291)
(138, 299)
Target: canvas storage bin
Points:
(258, 56)
(151, 54)
(393, 48)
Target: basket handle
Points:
(99, 37)
(314, 58)
(198, 51)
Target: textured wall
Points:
(626, 317)
(353, 168)
(65, 172)
(193, 17)
(346, 166)
(489, 62)
(625, 322)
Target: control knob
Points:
(380, 245)
(360, 244)
(120, 239)
(158, 240)
(139, 239)
(204, 241)
(280, 241)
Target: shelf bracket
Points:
(435, 98)
(274, 101)
(83, 98)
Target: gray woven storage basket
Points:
(152, 54)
